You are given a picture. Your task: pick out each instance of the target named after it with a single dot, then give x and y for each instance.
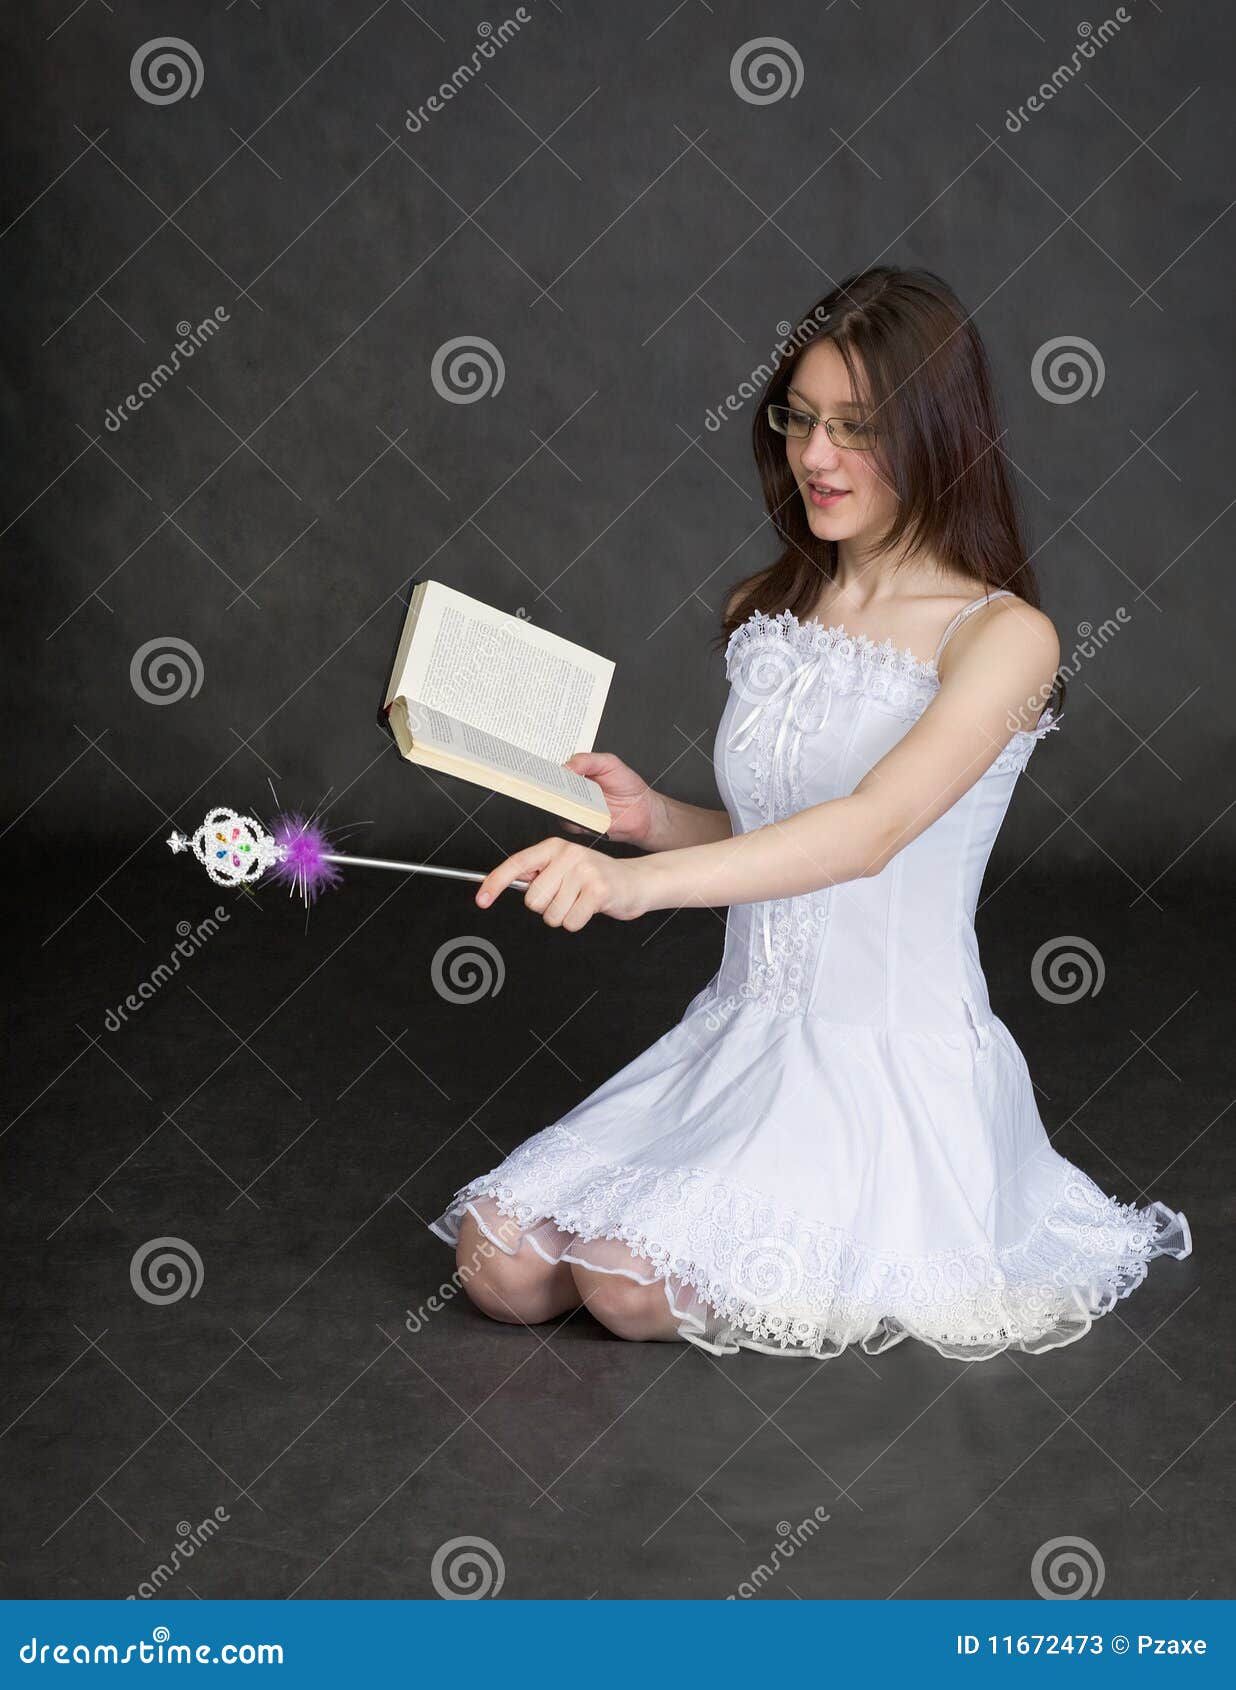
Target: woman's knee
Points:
(522, 1289)
(629, 1310)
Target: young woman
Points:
(839, 1143)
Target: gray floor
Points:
(295, 1105)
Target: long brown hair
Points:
(920, 370)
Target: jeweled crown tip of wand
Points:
(236, 850)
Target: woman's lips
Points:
(826, 497)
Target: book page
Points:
(503, 676)
(440, 732)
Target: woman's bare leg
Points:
(522, 1289)
(638, 1312)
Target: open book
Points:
(493, 699)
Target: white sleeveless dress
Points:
(838, 1143)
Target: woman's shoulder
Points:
(1023, 628)
(1005, 623)
(1008, 638)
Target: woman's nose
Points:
(819, 453)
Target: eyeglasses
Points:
(842, 431)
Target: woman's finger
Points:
(544, 888)
(556, 911)
(522, 866)
(580, 912)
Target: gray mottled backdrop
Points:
(505, 339)
(612, 215)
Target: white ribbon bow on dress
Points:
(796, 683)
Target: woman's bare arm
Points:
(677, 826)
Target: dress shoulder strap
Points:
(968, 610)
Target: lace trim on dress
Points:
(762, 1276)
(856, 663)
(889, 676)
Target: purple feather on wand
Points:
(306, 862)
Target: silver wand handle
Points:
(346, 861)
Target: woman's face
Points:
(844, 496)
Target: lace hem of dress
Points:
(743, 1274)
(890, 676)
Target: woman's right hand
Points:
(633, 804)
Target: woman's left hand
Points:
(569, 883)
